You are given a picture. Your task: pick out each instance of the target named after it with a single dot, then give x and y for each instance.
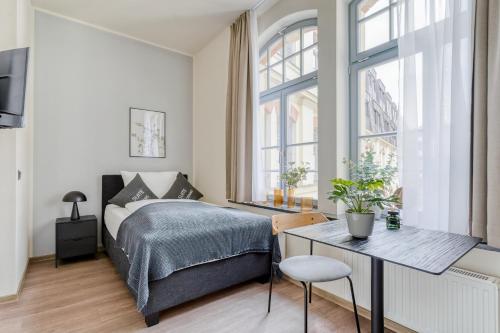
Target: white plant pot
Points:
(360, 224)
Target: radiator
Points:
(458, 301)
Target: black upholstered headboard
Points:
(111, 185)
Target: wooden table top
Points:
(425, 250)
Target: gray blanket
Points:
(162, 238)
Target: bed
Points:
(185, 284)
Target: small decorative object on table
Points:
(76, 237)
(278, 197)
(366, 189)
(292, 177)
(74, 197)
(393, 222)
(306, 204)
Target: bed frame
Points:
(186, 284)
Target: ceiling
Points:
(182, 25)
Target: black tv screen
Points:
(13, 70)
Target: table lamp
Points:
(74, 197)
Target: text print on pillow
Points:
(185, 193)
(182, 189)
(134, 191)
(141, 195)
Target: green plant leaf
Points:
(368, 186)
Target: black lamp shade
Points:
(74, 197)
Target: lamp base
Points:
(75, 214)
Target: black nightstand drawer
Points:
(72, 230)
(76, 238)
(76, 247)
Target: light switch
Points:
(18, 174)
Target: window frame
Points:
(281, 35)
(285, 89)
(356, 56)
(359, 61)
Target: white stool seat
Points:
(314, 268)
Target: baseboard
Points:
(8, 298)
(42, 258)
(53, 256)
(392, 325)
(15, 297)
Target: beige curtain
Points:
(239, 113)
(485, 194)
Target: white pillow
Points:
(158, 182)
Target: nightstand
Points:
(76, 237)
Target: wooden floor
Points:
(88, 296)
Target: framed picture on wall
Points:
(147, 133)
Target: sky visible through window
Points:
(388, 73)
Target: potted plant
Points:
(366, 190)
(292, 177)
(367, 169)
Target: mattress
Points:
(114, 216)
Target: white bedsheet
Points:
(114, 215)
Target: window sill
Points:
(281, 209)
(285, 209)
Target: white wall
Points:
(86, 80)
(16, 26)
(8, 251)
(24, 146)
(210, 87)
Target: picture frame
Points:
(147, 133)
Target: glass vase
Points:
(306, 204)
(278, 197)
(290, 194)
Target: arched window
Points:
(287, 119)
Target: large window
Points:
(288, 113)
(374, 80)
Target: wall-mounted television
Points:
(13, 69)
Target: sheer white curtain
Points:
(258, 185)
(435, 49)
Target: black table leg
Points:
(377, 295)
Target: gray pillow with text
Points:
(182, 189)
(136, 190)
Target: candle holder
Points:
(278, 197)
(290, 194)
(306, 203)
(270, 198)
